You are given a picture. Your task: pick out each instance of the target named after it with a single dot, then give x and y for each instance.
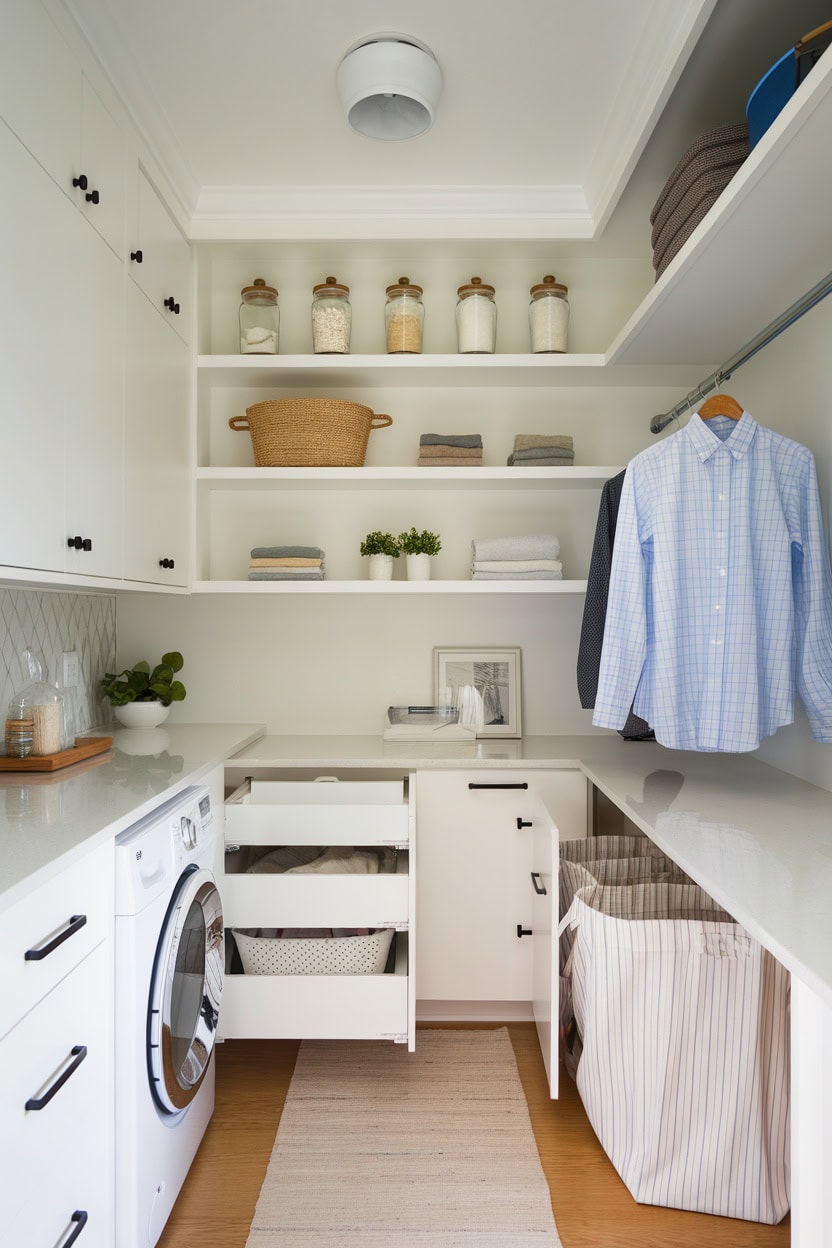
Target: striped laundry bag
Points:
(684, 1072)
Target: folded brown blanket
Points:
(531, 441)
(721, 137)
(448, 452)
(450, 463)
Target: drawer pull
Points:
(76, 922)
(537, 885)
(523, 931)
(38, 1102)
(80, 1217)
(522, 785)
(523, 823)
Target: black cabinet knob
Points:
(166, 563)
(170, 302)
(75, 543)
(523, 823)
(92, 197)
(523, 931)
(81, 181)
(137, 256)
(87, 543)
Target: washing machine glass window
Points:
(185, 991)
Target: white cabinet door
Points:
(156, 458)
(164, 270)
(545, 976)
(103, 161)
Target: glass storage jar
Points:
(44, 706)
(548, 316)
(476, 318)
(18, 738)
(331, 318)
(259, 319)
(404, 318)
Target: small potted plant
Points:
(141, 696)
(419, 548)
(381, 549)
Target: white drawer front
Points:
(83, 893)
(59, 1157)
(349, 812)
(318, 1007)
(301, 900)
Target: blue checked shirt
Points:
(720, 599)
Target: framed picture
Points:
(484, 684)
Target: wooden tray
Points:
(84, 747)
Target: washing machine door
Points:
(185, 991)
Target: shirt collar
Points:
(705, 443)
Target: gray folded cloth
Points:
(542, 452)
(548, 461)
(530, 441)
(297, 575)
(517, 576)
(534, 546)
(450, 439)
(287, 552)
(459, 461)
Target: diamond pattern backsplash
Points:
(49, 624)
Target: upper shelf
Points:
(404, 478)
(765, 243)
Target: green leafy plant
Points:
(424, 543)
(380, 544)
(141, 684)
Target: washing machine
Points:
(169, 974)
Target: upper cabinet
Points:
(160, 262)
(103, 167)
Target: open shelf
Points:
(404, 478)
(390, 587)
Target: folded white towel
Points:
(517, 565)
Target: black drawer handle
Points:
(76, 922)
(93, 197)
(523, 823)
(75, 925)
(538, 887)
(80, 1216)
(138, 256)
(523, 931)
(81, 181)
(38, 1102)
(523, 785)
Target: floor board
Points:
(592, 1207)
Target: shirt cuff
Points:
(610, 717)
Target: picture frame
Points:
(484, 683)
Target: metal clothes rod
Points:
(772, 331)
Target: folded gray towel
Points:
(450, 439)
(287, 552)
(536, 546)
(542, 452)
(551, 461)
(286, 576)
(517, 576)
(528, 441)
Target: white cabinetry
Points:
(160, 259)
(476, 832)
(56, 1060)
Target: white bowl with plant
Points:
(380, 549)
(141, 696)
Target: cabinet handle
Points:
(538, 887)
(523, 785)
(92, 197)
(80, 1216)
(172, 305)
(86, 544)
(38, 1102)
(81, 181)
(523, 823)
(137, 256)
(523, 931)
(166, 563)
(76, 922)
(75, 543)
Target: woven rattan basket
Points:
(309, 433)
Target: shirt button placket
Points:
(719, 600)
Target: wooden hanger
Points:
(720, 405)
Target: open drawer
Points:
(318, 812)
(317, 900)
(318, 1007)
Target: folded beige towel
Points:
(285, 563)
(450, 463)
(449, 452)
(530, 441)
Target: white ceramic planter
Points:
(142, 714)
(380, 567)
(418, 567)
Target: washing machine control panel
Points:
(190, 829)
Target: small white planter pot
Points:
(418, 567)
(142, 714)
(380, 567)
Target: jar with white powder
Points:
(548, 316)
(331, 318)
(404, 318)
(476, 318)
(259, 319)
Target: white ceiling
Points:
(545, 108)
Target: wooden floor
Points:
(592, 1207)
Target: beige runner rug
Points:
(381, 1148)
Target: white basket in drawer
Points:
(308, 812)
(322, 955)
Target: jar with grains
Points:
(18, 738)
(404, 318)
(41, 703)
(476, 318)
(548, 316)
(259, 319)
(331, 318)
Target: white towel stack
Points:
(529, 558)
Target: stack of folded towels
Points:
(542, 450)
(286, 563)
(516, 559)
(450, 450)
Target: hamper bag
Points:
(309, 433)
(684, 1072)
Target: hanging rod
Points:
(772, 331)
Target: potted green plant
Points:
(419, 549)
(141, 696)
(381, 549)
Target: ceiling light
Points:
(389, 86)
